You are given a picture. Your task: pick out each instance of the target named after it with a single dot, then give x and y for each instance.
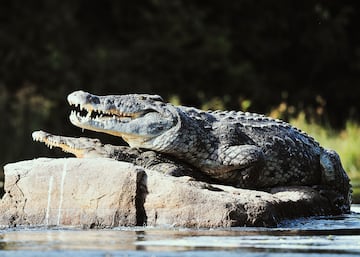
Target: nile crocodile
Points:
(242, 149)
(83, 147)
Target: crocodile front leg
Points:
(245, 163)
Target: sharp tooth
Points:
(88, 114)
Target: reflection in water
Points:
(140, 236)
(340, 235)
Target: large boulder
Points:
(70, 192)
(108, 193)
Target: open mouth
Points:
(85, 113)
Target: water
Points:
(336, 236)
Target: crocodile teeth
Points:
(101, 115)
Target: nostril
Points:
(107, 102)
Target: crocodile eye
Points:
(108, 102)
(159, 128)
(151, 97)
(157, 98)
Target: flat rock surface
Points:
(107, 193)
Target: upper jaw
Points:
(120, 105)
(102, 108)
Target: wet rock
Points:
(107, 193)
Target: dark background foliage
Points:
(304, 53)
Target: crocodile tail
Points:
(335, 177)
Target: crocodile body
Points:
(236, 148)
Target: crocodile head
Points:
(81, 147)
(139, 119)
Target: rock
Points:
(91, 192)
(108, 193)
(184, 202)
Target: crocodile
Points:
(241, 149)
(83, 147)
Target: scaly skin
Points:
(242, 149)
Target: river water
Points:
(320, 236)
